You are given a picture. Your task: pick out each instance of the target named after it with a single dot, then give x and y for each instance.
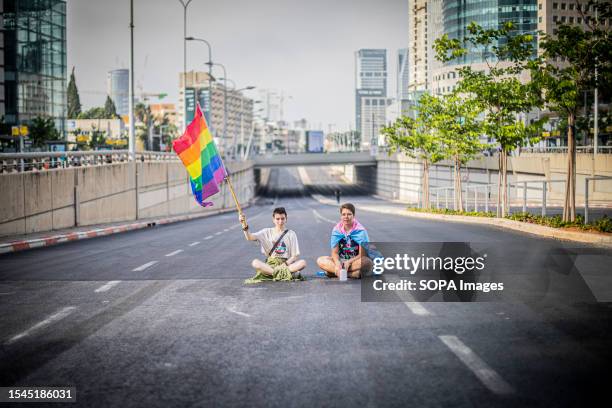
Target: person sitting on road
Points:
(348, 243)
(280, 245)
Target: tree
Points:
(42, 129)
(97, 139)
(498, 89)
(142, 114)
(415, 137)
(93, 113)
(74, 101)
(455, 124)
(564, 71)
(110, 111)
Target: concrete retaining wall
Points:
(63, 198)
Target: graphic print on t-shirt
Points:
(347, 248)
(281, 250)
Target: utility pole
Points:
(185, 5)
(595, 103)
(131, 141)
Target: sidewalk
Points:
(14, 243)
(384, 207)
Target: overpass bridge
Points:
(315, 159)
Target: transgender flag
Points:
(199, 154)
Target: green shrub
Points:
(603, 224)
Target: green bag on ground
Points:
(281, 272)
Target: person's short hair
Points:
(279, 210)
(348, 206)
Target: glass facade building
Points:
(403, 74)
(118, 83)
(489, 14)
(35, 61)
(370, 91)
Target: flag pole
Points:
(231, 187)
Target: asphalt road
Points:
(161, 317)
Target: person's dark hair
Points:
(279, 210)
(348, 206)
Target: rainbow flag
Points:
(199, 154)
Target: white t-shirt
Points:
(287, 248)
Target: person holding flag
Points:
(349, 243)
(280, 246)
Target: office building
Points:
(451, 17)
(118, 88)
(370, 93)
(34, 63)
(239, 122)
(403, 74)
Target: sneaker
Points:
(297, 275)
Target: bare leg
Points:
(297, 265)
(326, 263)
(263, 267)
(359, 267)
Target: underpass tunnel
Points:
(296, 181)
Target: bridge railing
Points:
(41, 161)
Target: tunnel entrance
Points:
(325, 180)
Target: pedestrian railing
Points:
(586, 193)
(484, 196)
(563, 149)
(41, 161)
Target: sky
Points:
(303, 48)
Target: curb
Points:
(16, 246)
(534, 229)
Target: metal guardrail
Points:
(41, 161)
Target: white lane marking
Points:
(225, 230)
(304, 177)
(238, 313)
(145, 266)
(194, 243)
(417, 308)
(410, 302)
(481, 370)
(107, 286)
(178, 251)
(7, 293)
(316, 214)
(219, 233)
(208, 237)
(51, 319)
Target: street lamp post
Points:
(247, 88)
(209, 101)
(210, 64)
(252, 135)
(131, 141)
(185, 4)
